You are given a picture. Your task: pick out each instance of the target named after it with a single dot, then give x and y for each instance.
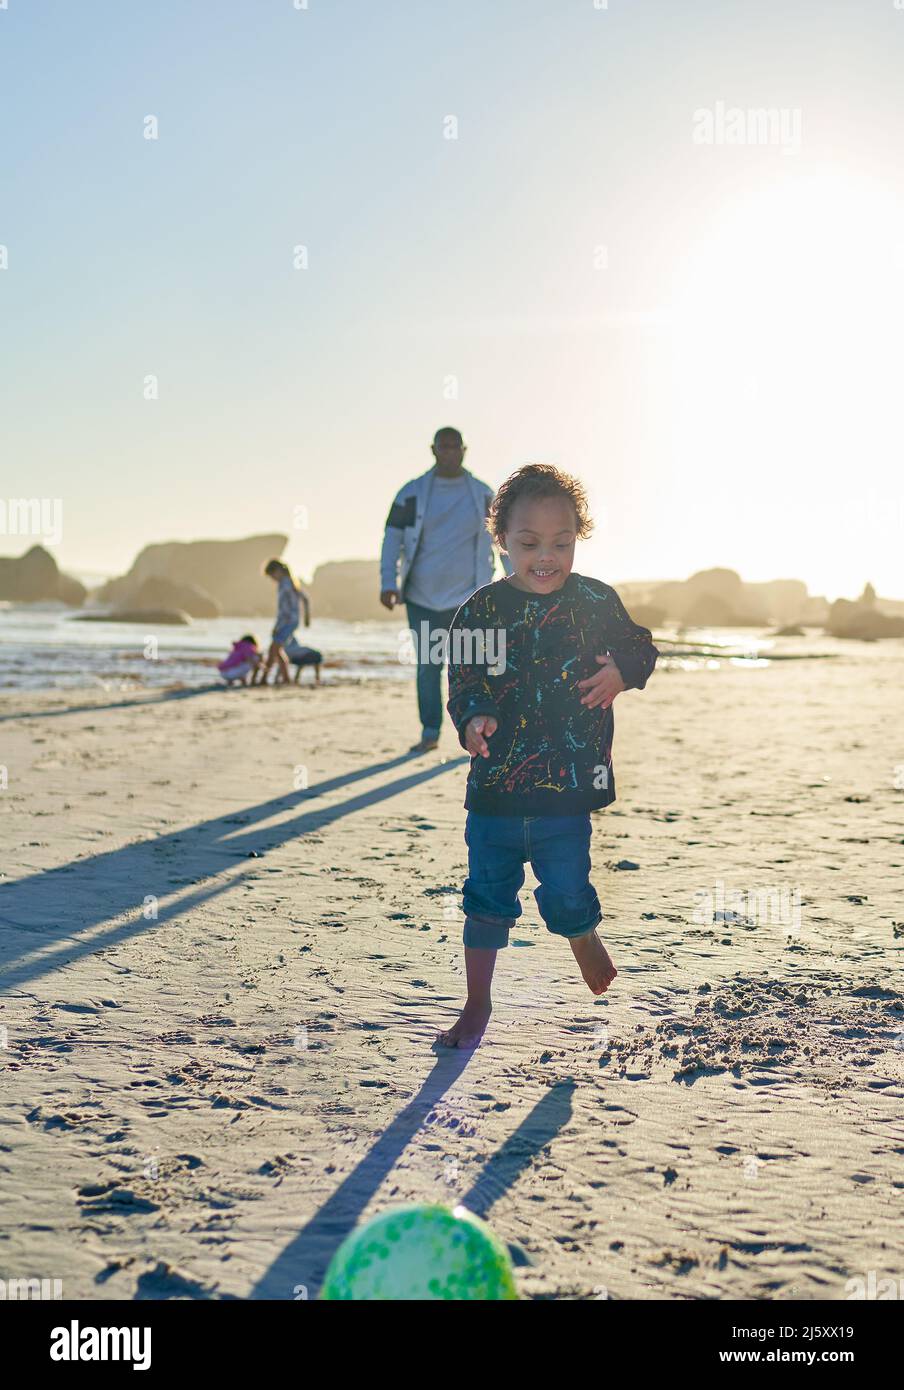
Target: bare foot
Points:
(467, 1032)
(594, 960)
(425, 745)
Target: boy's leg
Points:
(560, 857)
(495, 873)
(471, 1023)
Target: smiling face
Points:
(540, 543)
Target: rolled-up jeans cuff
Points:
(487, 933)
(571, 931)
(429, 733)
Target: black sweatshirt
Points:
(519, 657)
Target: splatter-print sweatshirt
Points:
(519, 657)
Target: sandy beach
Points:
(231, 932)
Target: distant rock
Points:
(712, 610)
(720, 598)
(710, 598)
(71, 591)
(217, 576)
(717, 583)
(783, 601)
(815, 612)
(648, 615)
(163, 593)
(863, 619)
(348, 589)
(792, 631)
(35, 577)
(165, 617)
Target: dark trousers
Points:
(426, 626)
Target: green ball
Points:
(421, 1253)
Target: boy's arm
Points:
(630, 645)
(470, 690)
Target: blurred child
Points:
(242, 661)
(289, 595)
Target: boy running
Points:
(537, 720)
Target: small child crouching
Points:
(242, 661)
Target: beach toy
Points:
(421, 1253)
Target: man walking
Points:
(436, 536)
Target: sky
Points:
(550, 223)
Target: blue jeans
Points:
(429, 673)
(558, 848)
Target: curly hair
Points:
(533, 482)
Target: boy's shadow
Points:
(303, 1263)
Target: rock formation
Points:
(348, 589)
(36, 578)
(710, 598)
(720, 598)
(863, 618)
(647, 614)
(202, 577)
(158, 593)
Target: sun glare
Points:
(786, 337)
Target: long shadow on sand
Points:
(156, 698)
(303, 1262)
(60, 904)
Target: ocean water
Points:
(47, 648)
(44, 647)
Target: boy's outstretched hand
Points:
(477, 731)
(602, 688)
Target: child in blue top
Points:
(536, 716)
(289, 595)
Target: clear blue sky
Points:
(728, 386)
